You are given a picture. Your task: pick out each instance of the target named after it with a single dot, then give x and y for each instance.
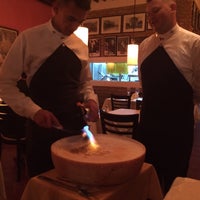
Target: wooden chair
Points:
(120, 101)
(12, 132)
(119, 124)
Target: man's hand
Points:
(46, 119)
(93, 113)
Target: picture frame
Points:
(134, 22)
(7, 37)
(110, 46)
(198, 24)
(122, 43)
(48, 2)
(111, 24)
(194, 11)
(92, 25)
(94, 46)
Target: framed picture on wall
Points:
(194, 11)
(110, 46)
(94, 45)
(122, 43)
(49, 2)
(111, 24)
(134, 22)
(198, 25)
(92, 25)
(7, 37)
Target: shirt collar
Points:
(165, 36)
(54, 31)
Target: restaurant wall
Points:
(23, 14)
(103, 88)
(184, 13)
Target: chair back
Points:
(119, 124)
(120, 101)
(13, 132)
(11, 124)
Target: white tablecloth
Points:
(2, 186)
(123, 111)
(144, 186)
(184, 189)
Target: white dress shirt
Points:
(183, 47)
(29, 51)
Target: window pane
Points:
(114, 72)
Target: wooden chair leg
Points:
(18, 162)
(0, 148)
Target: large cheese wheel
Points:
(116, 159)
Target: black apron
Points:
(54, 87)
(166, 123)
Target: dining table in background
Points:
(124, 111)
(49, 186)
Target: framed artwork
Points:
(92, 25)
(7, 37)
(122, 43)
(94, 45)
(134, 22)
(110, 46)
(194, 11)
(198, 24)
(111, 24)
(49, 2)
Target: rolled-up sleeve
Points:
(10, 73)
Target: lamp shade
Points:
(132, 57)
(82, 33)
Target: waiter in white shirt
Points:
(169, 67)
(58, 76)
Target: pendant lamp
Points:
(132, 49)
(82, 33)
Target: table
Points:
(124, 111)
(2, 186)
(107, 106)
(144, 186)
(184, 189)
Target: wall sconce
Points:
(132, 54)
(132, 49)
(82, 33)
